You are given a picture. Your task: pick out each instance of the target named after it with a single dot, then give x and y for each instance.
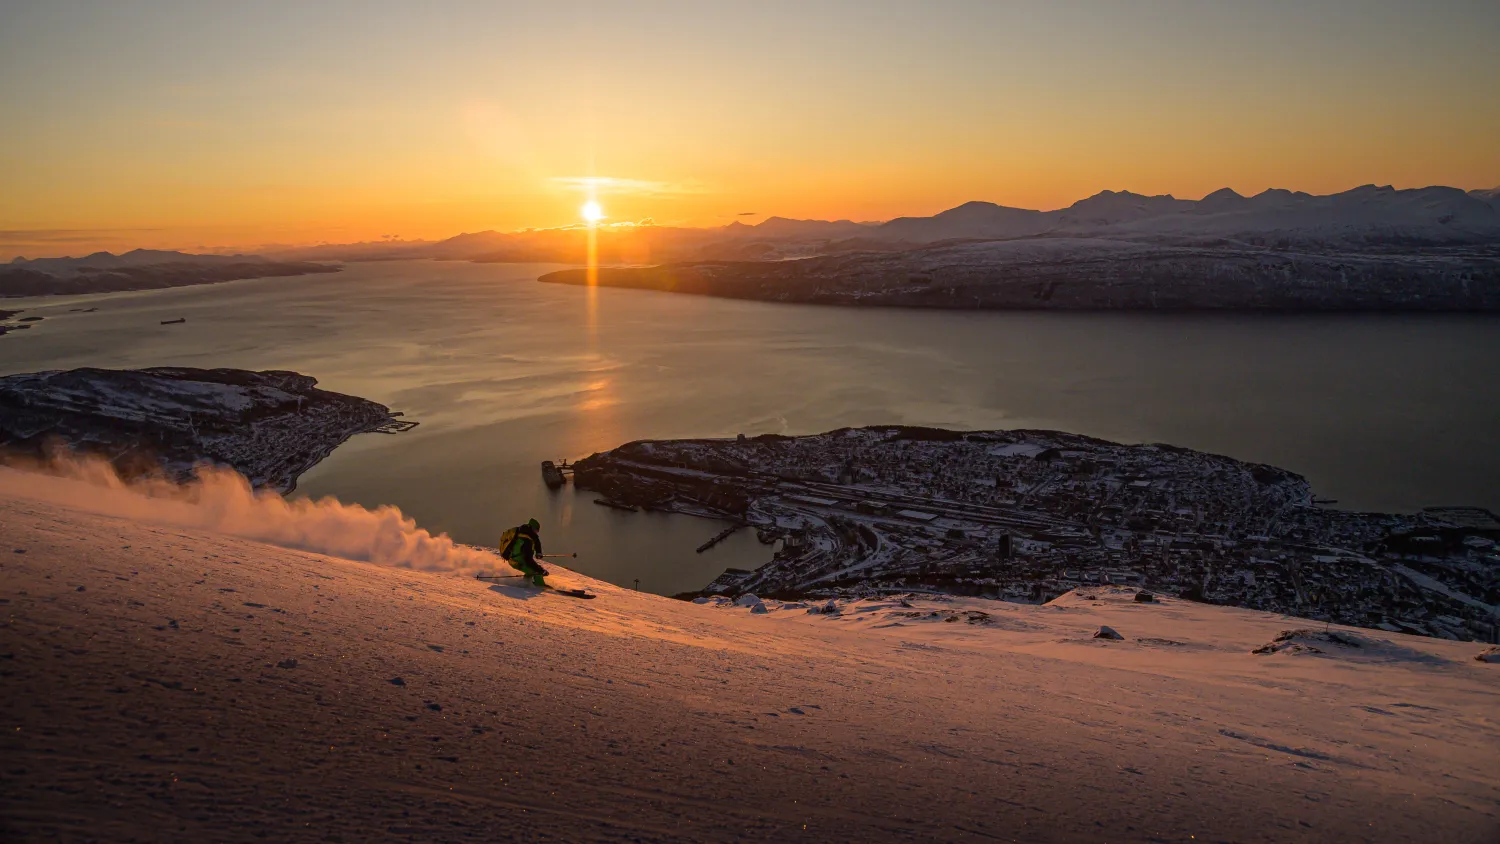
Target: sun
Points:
(591, 211)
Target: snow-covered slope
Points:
(784, 228)
(1364, 216)
(972, 219)
(170, 683)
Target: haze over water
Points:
(1381, 412)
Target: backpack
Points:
(506, 540)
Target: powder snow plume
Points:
(221, 500)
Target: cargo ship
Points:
(551, 475)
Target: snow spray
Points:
(220, 500)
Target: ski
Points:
(571, 593)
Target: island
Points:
(5, 317)
(1030, 515)
(270, 426)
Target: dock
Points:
(394, 426)
(720, 537)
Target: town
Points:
(1029, 515)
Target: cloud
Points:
(609, 185)
(66, 235)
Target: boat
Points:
(551, 475)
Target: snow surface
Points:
(163, 681)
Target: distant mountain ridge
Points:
(133, 258)
(138, 269)
(1368, 218)
(1365, 215)
(972, 219)
(1364, 218)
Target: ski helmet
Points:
(533, 524)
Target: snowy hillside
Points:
(1367, 219)
(171, 682)
(1088, 273)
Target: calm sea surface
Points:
(1379, 412)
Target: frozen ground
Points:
(164, 682)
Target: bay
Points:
(1382, 412)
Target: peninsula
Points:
(1030, 515)
(6, 325)
(1047, 273)
(269, 426)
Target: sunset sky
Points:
(236, 124)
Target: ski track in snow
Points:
(167, 682)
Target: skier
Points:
(522, 547)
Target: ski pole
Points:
(550, 556)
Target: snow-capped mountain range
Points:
(1368, 215)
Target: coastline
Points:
(1028, 515)
(19, 282)
(270, 426)
(1061, 275)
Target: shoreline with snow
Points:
(1087, 274)
(271, 426)
(1028, 515)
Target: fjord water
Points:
(1382, 412)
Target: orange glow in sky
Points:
(187, 125)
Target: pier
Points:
(720, 537)
(394, 425)
(606, 502)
